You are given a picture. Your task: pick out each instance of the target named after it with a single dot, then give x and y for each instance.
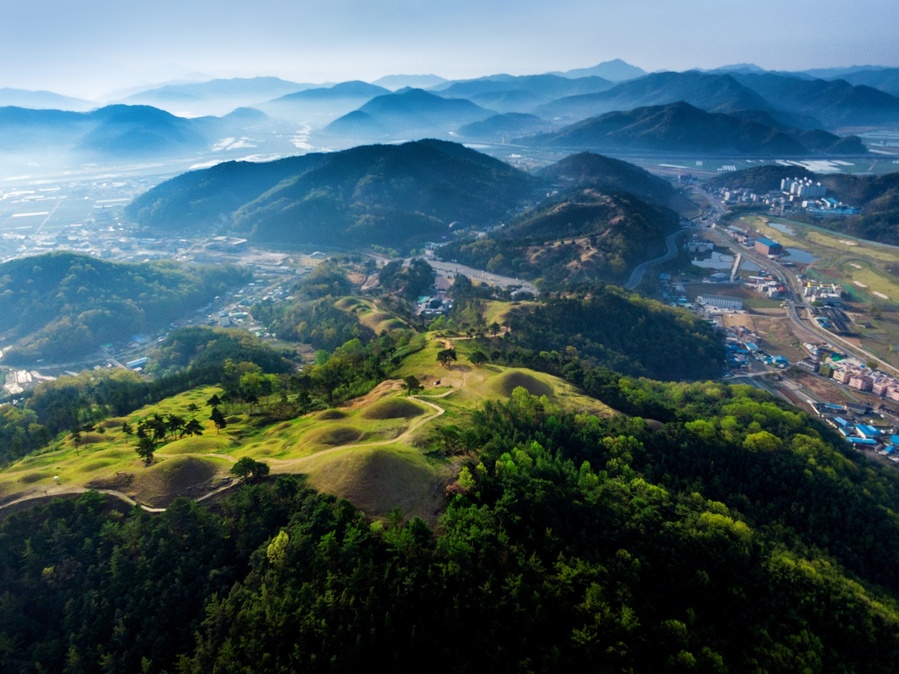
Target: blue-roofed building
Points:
(752, 346)
(841, 421)
(866, 442)
(866, 431)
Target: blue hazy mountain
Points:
(406, 114)
(118, 131)
(217, 96)
(711, 92)
(681, 127)
(396, 82)
(42, 100)
(321, 105)
(797, 101)
(834, 103)
(615, 70)
(503, 128)
(506, 93)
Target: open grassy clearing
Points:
(498, 312)
(369, 315)
(373, 451)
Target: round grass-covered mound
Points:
(160, 484)
(203, 444)
(393, 408)
(509, 381)
(31, 478)
(91, 466)
(329, 415)
(334, 436)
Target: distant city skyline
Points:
(93, 48)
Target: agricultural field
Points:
(868, 273)
(381, 451)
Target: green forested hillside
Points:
(735, 537)
(613, 176)
(620, 331)
(61, 305)
(397, 196)
(578, 235)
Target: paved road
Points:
(453, 268)
(637, 275)
(802, 328)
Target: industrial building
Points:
(721, 301)
(767, 246)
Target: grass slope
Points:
(374, 452)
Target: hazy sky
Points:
(91, 47)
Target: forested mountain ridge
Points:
(580, 234)
(613, 176)
(60, 305)
(735, 537)
(681, 127)
(381, 194)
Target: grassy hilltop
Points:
(377, 451)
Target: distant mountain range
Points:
(681, 127)
(796, 101)
(117, 131)
(42, 100)
(797, 111)
(394, 82)
(320, 106)
(505, 93)
(215, 97)
(505, 127)
(615, 70)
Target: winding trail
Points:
(278, 465)
(402, 437)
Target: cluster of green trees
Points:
(190, 357)
(61, 305)
(606, 326)
(410, 282)
(734, 537)
(156, 430)
(317, 322)
(202, 347)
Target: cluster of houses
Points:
(767, 285)
(850, 372)
(794, 194)
(848, 420)
(865, 436)
(829, 294)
